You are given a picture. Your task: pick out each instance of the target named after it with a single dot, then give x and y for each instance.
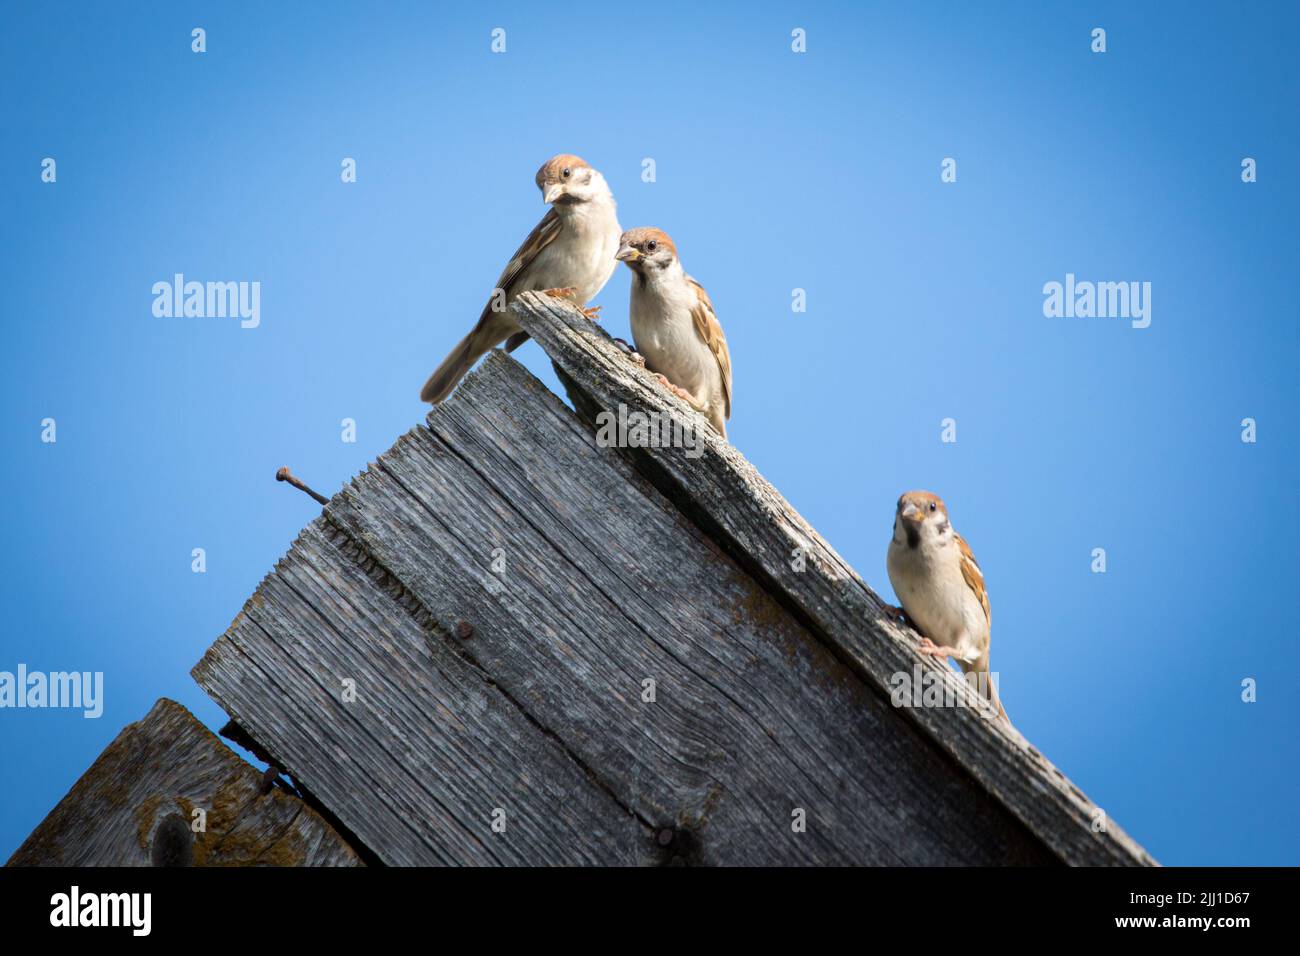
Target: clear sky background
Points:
(775, 171)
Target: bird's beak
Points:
(912, 513)
(552, 192)
(627, 254)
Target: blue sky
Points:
(775, 171)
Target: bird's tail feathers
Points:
(453, 368)
(989, 690)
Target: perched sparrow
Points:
(674, 326)
(935, 575)
(569, 254)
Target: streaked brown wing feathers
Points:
(543, 234)
(970, 570)
(710, 332)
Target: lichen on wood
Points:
(148, 783)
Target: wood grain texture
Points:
(135, 804)
(724, 496)
(416, 765)
(604, 586)
(575, 581)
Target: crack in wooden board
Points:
(418, 762)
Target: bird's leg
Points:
(568, 292)
(896, 613)
(681, 393)
(929, 647)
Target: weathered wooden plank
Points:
(418, 762)
(136, 803)
(727, 498)
(599, 585)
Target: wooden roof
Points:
(506, 644)
(500, 588)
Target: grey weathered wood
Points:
(135, 804)
(752, 524)
(602, 583)
(465, 635)
(752, 718)
(429, 748)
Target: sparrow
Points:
(570, 254)
(940, 584)
(674, 326)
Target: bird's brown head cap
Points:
(919, 505)
(646, 246)
(560, 168)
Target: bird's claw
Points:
(568, 292)
(677, 390)
(592, 313)
(929, 647)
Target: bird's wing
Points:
(970, 570)
(710, 333)
(543, 235)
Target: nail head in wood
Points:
(284, 474)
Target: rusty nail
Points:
(464, 629)
(665, 836)
(284, 474)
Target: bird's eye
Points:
(933, 507)
(565, 174)
(652, 245)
